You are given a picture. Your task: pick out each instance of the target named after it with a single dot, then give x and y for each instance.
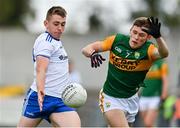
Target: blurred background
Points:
(21, 21)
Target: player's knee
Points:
(148, 123)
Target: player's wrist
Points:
(157, 36)
(159, 39)
(92, 53)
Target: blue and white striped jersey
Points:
(57, 75)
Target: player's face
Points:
(55, 25)
(137, 37)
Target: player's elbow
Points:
(165, 54)
(85, 52)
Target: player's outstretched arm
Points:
(91, 51)
(42, 64)
(154, 30)
(91, 48)
(162, 47)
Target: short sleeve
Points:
(107, 43)
(152, 52)
(43, 48)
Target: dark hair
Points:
(141, 22)
(56, 10)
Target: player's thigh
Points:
(65, 119)
(28, 122)
(116, 118)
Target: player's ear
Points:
(45, 23)
(149, 37)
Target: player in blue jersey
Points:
(51, 76)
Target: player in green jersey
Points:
(129, 60)
(156, 90)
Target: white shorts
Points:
(128, 105)
(147, 103)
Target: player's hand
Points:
(96, 60)
(40, 99)
(161, 104)
(154, 29)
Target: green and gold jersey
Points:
(127, 67)
(153, 80)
